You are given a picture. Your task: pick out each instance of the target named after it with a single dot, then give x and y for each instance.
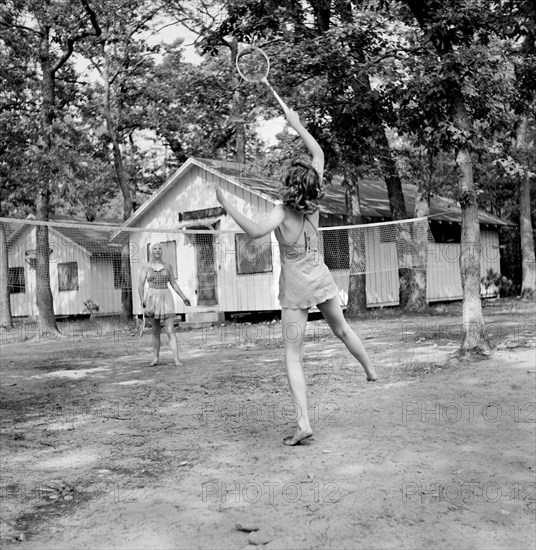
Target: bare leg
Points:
(332, 312)
(293, 322)
(156, 328)
(170, 330)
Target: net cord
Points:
(120, 229)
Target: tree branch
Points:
(92, 17)
(21, 27)
(156, 31)
(127, 72)
(143, 22)
(95, 65)
(70, 48)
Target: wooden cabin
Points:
(84, 267)
(225, 272)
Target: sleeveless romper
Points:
(305, 280)
(158, 297)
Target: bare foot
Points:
(371, 375)
(300, 435)
(179, 363)
(153, 363)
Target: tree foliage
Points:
(377, 82)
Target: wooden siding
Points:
(382, 272)
(443, 272)
(23, 304)
(102, 288)
(259, 291)
(95, 279)
(255, 292)
(443, 268)
(235, 292)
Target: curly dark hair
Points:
(301, 187)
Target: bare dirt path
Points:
(100, 451)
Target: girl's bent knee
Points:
(342, 331)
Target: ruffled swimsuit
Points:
(305, 280)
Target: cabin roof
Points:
(92, 236)
(373, 194)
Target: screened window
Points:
(446, 232)
(68, 276)
(253, 255)
(15, 280)
(336, 249)
(119, 280)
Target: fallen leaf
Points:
(246, 527)
(259, 539)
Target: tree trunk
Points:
(124, 184)
(387, 165)
(126, 289)
(390, 174)
(474, 333)
(397, 206)
(357, 291)
(528, 259)
(45, 304)
(122, 178)
(237, 110)
(6, 320)
(175, 146)
(362, 86)
(322, 14)
(416, 299)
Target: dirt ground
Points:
(101, 451)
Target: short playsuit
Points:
(305, 280)
(158, 297)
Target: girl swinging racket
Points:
(305, 280)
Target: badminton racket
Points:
(253, 65)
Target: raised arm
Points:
(253, 229)
(310, 142)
